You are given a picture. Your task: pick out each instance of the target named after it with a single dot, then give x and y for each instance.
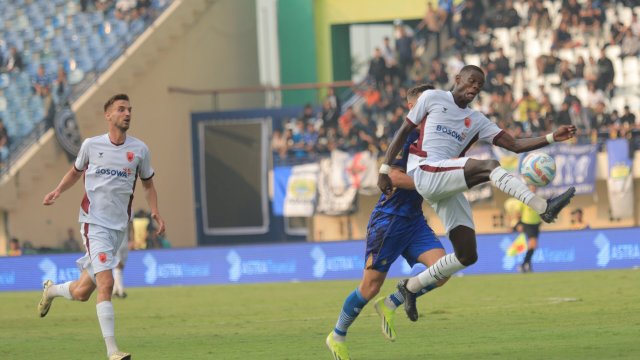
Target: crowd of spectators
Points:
(442, 42)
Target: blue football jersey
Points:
(402, 202)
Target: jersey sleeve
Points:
(489, 131)
(82, 160)
(420, 110)
(146, 171)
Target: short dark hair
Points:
(115, 98)
(419, 89)
(468, 68)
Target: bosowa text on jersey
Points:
(126, 172)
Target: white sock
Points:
(512, 186)
(106, 318)
(118, 285)
(60, 290)
(390, 304)
(441, 269)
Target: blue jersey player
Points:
(397, 227)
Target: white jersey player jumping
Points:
(442, 173)
(111, 164)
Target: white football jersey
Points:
(110, 174)
(447, 131)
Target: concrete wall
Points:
(216, 49)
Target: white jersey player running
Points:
(442, 173)
(111, 164)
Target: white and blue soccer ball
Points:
(538, 169)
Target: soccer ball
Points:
(538, 169)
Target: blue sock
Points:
(397, 299)
(353, 304)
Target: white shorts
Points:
(123, 250)
(101, 245)
(442, 184)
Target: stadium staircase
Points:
(23, 180)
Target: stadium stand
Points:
(52, 51)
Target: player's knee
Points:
(370, 289)
(82, 296)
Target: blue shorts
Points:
(389, 236)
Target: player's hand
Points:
(160, 222)
(385, 185)
(51, 197)
(564, 132)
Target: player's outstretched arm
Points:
(384, 181)
(506, 141)
(152, 200)
(70, 178)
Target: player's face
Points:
(119, 114)
(470, 84)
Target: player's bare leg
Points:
(106, 316)
(118, 282)
(79, 290)
(480, 171)
(531, 244)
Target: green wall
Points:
(296, 37)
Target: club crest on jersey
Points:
(467, 122)
(130, 156)
(102, 257)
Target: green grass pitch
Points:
(569, 315)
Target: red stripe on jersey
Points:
(131, 197)
(85, 203)
(498, 136)
(416, 148)
(473, 141)
(86, 238)
(437, 169)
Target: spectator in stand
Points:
(502, 63)
(520, 59)
(61, 82)
(404, 48)
(616, 32)
(577, 220)
(445, 15)
(630, 45)
(372, 97)
(504, 108)
(14, 62)
(500, 86)
(297, 145)
(366, 134)
(563, 117)
(594, 96)
(390, 98)
(310, 138)
(535, 123)
(606, 73)
(345, 122)
(418, 73)
(14, 248)
(579, 68)
(334, 100)
(591, 70)
(431, 26)
(4, 143)
(41, 81)
(547, 64)
(377, 68)
(628, 117)
(590, 19)
(506, 16)
(635, 25)
(525, 104)
(308, 115)
(394, 123)
(329, 115)
(570, 11)
(437, 75)
(580, 117)
(483, 39)
(463, 40)
(279, 144)
(547, 112)
(327, 140)
(70, 244)
(562, 38)
(601, 120)
(567, 78)
(388, 53)
(471, 15)
(539, 17)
